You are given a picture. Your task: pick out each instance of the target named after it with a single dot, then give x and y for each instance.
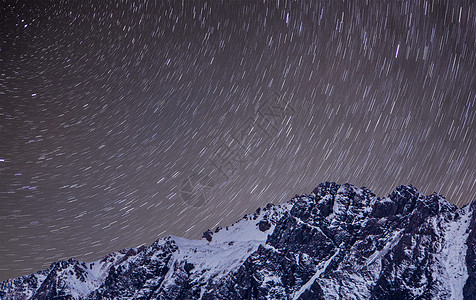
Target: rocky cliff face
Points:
(339, 242)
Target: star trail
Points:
(127, 121)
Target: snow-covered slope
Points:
(339, 242)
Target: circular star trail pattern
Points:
(110, 109)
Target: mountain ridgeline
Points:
(338, 242)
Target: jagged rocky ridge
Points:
(339, 242)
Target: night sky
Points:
(123, 122)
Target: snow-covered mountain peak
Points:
(339, 242)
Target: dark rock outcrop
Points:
(208, 235)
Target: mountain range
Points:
(338, 242)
